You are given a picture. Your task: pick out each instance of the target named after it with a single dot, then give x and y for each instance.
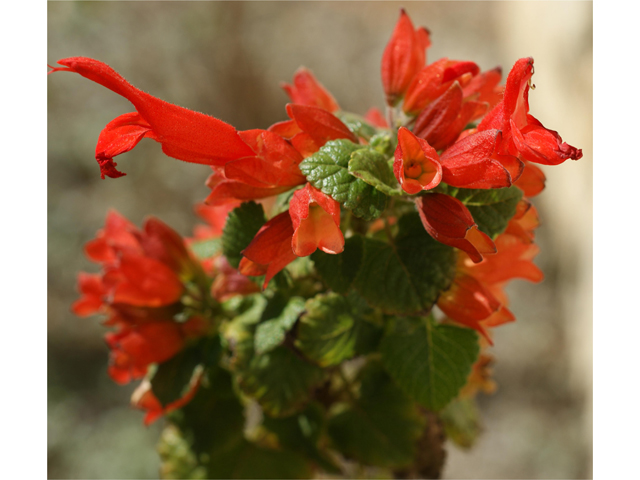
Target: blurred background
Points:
(226, 59)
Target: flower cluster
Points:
(424, 205)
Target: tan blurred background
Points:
(226, 59)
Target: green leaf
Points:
(280, 381)
(430, 362)
(301, 433)
(491, 209)
(271, 333)
(333, 330)
(242, 225)
(327, 170)
(339, 271)
(409, 275)
(204, 249)
(372, 167)
(381, 428)
(462, 422)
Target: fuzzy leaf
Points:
(279, 381)
(327, 170)
(372, 167)
(408, 276)
(333, 330)
(242, 225)
(270, 333)
(382, 427)
(430, 362)
(339, 271)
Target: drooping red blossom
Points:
(485, 87)
(270, 250)
(403, 57)
(523, 134)
(416, 164)
(306, 90)
(448, 221)
(184, 134)
(476, 298)
(316, 222)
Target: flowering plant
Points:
(299, 326)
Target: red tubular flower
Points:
(144, 399)
(485, 87)
(118, 235)
(316, 222)
(448, 221)
(416, 165)
(523, 134)
(403, 57)
(435, 79)
(133, 349)
(474, 163)
(319, 124)
(270, 250)
(273, 169)
(306, 90)
(524, 222)
(229, 282)
(442, 121)
(184, 134)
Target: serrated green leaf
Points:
(242, 225)
(204, 249)
(461, 421)
(339, 271)
(491, 209)
(301, 433)
(333, 330)
(407, 276)
(270, 333)
(382, 427)
(430, 362)
(327, 170)
(372, 167)
(280, 381)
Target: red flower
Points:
(416, 165)
(473, 162)
(523, 134)
(448, 221)
(306, 90)
(403, 57)
(270, 250)
(133, 349)
(316, 222)
(184, 134)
